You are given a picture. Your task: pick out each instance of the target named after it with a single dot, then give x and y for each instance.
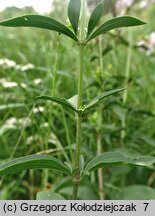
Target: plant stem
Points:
(76, 174)
(100, 170)
(79, 103)
(125, 94)
(76, 177)
(100, 53)
(99, 124)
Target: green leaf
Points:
(74, 9)
(96, 100)
(63, 101)
(32, 162)
(69, 166)
(39, 21)
(49, 196)
(119, 157)
(95, 17)
(147, 139)
(84, 192)
(136, 192)
(118, 22)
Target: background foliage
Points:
(34, 62)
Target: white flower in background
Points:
(24, 122)
(37, 81)
(9, 84)
(10, 123)
(38, 109)
(143, 4)
(141, 43)
(26, 67)
(3, 80)
(44, 125)
(29, 140)
(23, 85)
(6, 63)
(14, 122)
(122, 5)
(151, 43)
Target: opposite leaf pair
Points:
(74, 10)
(72, 102)
(50, 162)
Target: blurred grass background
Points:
(43, 62)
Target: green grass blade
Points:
(118, 22)
(74, 9)
(32, 162)
(40, 22)
(118, 157)
(95, 17)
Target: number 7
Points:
(146, 205)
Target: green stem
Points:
(100, 170)
(125, 95)
(100, 54)
(76, 177)
(80, 76)
(99, 125)
(76, 174)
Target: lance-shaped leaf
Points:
(96, 100)
(95, 17)
(63, 101)
(118, 157)
(49, 196)
(74, 9)
(118, 22)
(40, 22)
(32, 162)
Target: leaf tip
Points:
(37, 97)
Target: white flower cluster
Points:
(10, 64)
(149, 43)
(6, 63)
(38, 109)
(6, 84)
(16, 123)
